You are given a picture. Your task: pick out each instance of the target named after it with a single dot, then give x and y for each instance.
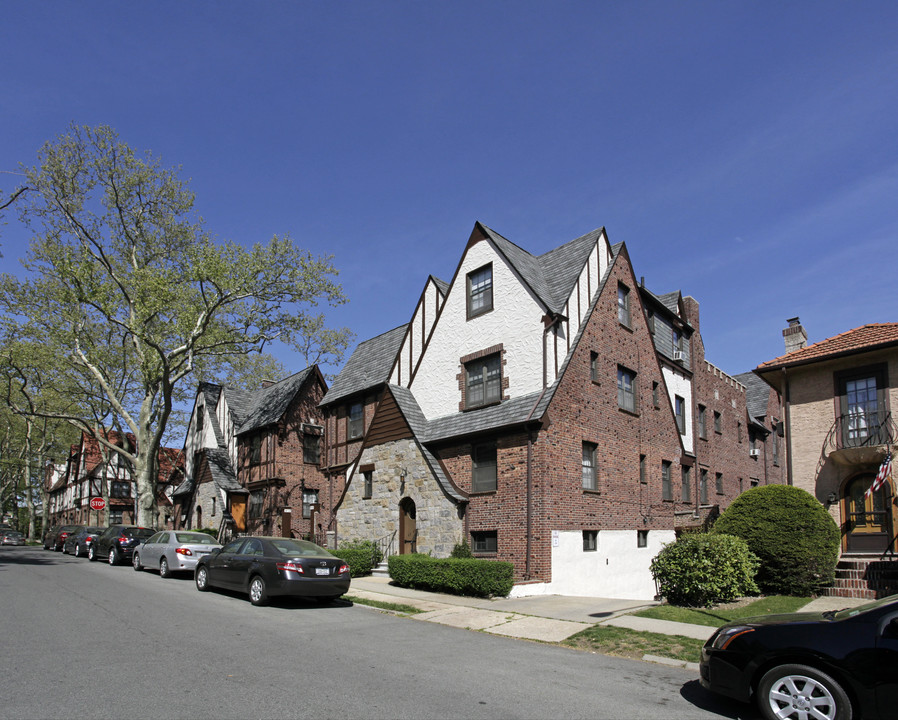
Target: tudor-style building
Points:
(252, 460)
(547, 411)
(838, 396)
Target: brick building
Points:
(252, 460)
(551, 411)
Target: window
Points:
(754, 482)
(356, 421)
(200, 420)
(655, 395)
(718, 483)
(642, 538)
(862, 407)
(590, 540)
(680, 412)
(677, 341)
(642, 476)
(115, 517)
(776, 448)
(483, 381)
(623, 305)
(485, 542)
(740, 486)
(651, 320)
(480, 291)
(594, 366)
(311, 448)
(213, 506)
(309, 498)
(702, 422)
(717, 423)
(686, 495)
(369, 485)
(666, 491)
(590, 472)
(256, 499)
(255, 450)
(703, 486)
(119, 489)
(739, 431)
(626, 389)
(484, 464)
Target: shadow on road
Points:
(27, 555)
(693, 693)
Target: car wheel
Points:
(91, 553)
(202, 578)
(77, 552)
(113, 556)
(135, 561)
(257, 593)
(164, 570)
(799, 692)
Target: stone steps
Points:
(864, 577)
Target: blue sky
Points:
(746, 152)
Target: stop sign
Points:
(97, 503)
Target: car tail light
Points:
(344, 568)
(183, 551)
(291, 567)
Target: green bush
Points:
(458, 576)
(790, 531)
(701, 569)
(361, 556)
(461, 550)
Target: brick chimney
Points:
(795, 336)
(691, 306)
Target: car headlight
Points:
(726, 635)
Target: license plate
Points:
(322, 571)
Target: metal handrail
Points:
(386, 545)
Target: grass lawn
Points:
(628, 643)
(392, 607)
(727, 612)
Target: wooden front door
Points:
(867, 519)
(408, 532)
(238, 512)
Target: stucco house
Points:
(550, 411)
(838, 394)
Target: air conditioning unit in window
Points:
(679, 356)
(754, 452)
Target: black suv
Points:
(117, 542)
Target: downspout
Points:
(529, 501)
(788, 424)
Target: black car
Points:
(49, 535)
(835, 665)
(268, 566)
(57, 540)
(78, 543)
(117, 542)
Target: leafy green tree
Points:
(125, 296)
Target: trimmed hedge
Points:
(457, 576)
(701, 569)
(791, 532)
(361, 557)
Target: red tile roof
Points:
(865, 338)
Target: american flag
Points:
(884, 471)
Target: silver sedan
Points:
(173, 551)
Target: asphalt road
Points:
(85, 640)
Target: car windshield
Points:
(92, 530)
(867, 607)
(139, 532)
(289, 546)
(195, 538)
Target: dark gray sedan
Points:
(268, 566)
(173, 551)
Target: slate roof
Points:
(552, 275)
(369, 365)
(757, 394)
(270, 404)
(222, 474)
(863, 339)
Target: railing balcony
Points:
(860, 438)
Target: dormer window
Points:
(356, 421)
(483, 381)
(480, 291)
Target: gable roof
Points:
(757, 395)
(369, 365)
(863, 339)
(270, 404)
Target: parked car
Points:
(58, 540)
(78, 542)
(267, 566)
(50, 535)
(117, 542)
(832, 665)
(173, 551)
(12, 537)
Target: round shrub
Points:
(701, 569)
(790, 531)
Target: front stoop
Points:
(381, 570)
(864, 577)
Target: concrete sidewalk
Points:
(548, 618)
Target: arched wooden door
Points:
(408, 531)
(867, 519)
